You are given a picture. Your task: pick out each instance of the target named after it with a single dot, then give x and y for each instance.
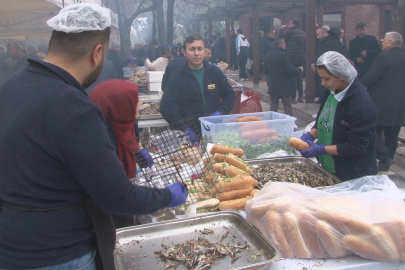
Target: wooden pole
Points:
(310, 51)
(256, 46)
(209, 31)
(228, 37)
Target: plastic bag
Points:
(365, 216)
(249, 64)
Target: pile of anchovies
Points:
(199, 253)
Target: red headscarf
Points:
(118, 99)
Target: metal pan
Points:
(136, 245)
(150, 116)
(293, 159)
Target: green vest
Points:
(325, 131)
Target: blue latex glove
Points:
(192, 137)
(307, 137)
(132, 58)
(216, 113)
(313, 150)
(179, 194)
(143, 158)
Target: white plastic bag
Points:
(249, 64)
(364, 216)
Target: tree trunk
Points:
(160, 19)
(170, 21)
(154, 29)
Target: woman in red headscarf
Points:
(118, 99)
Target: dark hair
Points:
(191, 39)
(239, 31)
(277, 42)
(73, 46)
(208, 47)
(324, 67)
(164, 49)
(361, 25)
(270, 29)
(296, 22)
(154, 42)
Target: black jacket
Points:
(55, 151)
(171, 68)
(232, 44)
(266, 46)
(21, 64)
(329, 43)
(140, 56)
(182, 97)
(354, 133)
(357, 45)
(278, 66)
(344, 45)
(385, 82)
(107, 73)
(295, 40)
(118, 63)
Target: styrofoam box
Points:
(155, 86)
(212, 125)
(154, 76)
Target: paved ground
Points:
(304, 113)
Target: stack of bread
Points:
(307, 223)
(256, 133)
(231, 179)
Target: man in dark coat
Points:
(267, 43)
(328, 40)
(277, 65)
(385, 82)
(140, 53)
(363, 49)
(221, 48)
(114, 56)
(17, 51)
(295, 40)
(342, 40)
(232, 48)
(153, 52)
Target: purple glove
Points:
(143, 158)
(192, 137)
(313, 150)
(216, 113)
(132, 58)
(179, 194)
(307, 137)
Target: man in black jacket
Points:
(140, 53)
(278, 67)
(328, 40)
(195, 89)
(385, 82)
(221, 48)
(114, 56)
(60, 174)
(295, 40)
(232, 49)
(363, 49)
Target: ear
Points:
(97, 55)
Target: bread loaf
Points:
(274, 232)
(297, 144)
(238, 163)
(396, 228)
(252, 126)
(306, 221)
(294, 236)
(237, 204)
(384, 240)
(225, 150)
(234, 194)
(237, 183)
(364, 248)
(330, 240)
(249, 119)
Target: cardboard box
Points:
(154, 76)
(155, 86)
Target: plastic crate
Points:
(225, 130)
(252, 103)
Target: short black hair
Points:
(73, 46)
(324, 67)
(239, 31)
(296, 22)
(154, 42)
(361, 25)
(191, 39)
(270, 29)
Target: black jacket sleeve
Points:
(227, 94)
(375, 72)
(375, 47)
(288, 67)
(351, 53)
(168, 104)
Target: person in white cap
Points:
(60, 175)
(346, 123)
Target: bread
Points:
(330, 240)
(252, 126)
(254, 192)
(232, 171)
(237, 162)
(274, 233)
(384, 240)
(237, 204)
(294, 237)
(258, 134)
(236, 183)
(207, 203)
(364, 248)
(225, 150)
(306, 221)
(219, 157)
(218, 167)
(234, 194)
(248, 119)
(297, 144)
(396, 228)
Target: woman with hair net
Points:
(346, 122)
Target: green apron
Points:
(325, 131)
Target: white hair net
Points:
(338, 65)
(80, 18)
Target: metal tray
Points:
(150, 116)
(136, 245)
(292, 159)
